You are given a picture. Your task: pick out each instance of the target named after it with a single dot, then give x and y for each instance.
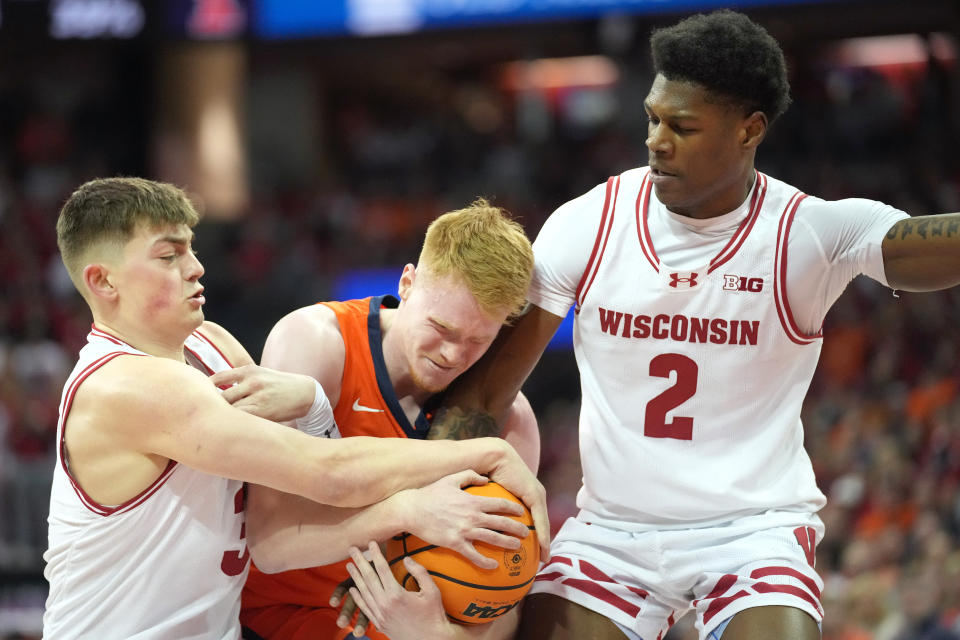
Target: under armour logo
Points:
(689, 281)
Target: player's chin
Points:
(433, 381)
(667, 193)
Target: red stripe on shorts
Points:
(723, 584)
(553, 575)
(720, 603)
(601, 593)
(787, 571)
(596, 574)
(766, 587)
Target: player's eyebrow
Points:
(440, 323)
(178, 239)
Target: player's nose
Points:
(194, 269)
(657, 139)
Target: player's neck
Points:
(723, 202)
(161, 346)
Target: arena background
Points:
(320, 138)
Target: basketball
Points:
(472, 595)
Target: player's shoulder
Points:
(229, 346)
(132, 381)
(315, 321)
(594, 198)
(306, 340)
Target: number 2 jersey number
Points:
(655, 425)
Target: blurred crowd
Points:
(883, 415)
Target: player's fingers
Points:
(541, 523)
(227, 377)
(382, 568)
(503, 524)
(427, 586)
(366, 571)
(339, 592)
(361, 593)
(499, 505)
(469, 478)
(495, 538)
(360, 627)
(234, 393)
(364, 606)
(346, 611)
(468, 551)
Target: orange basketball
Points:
(472, 595)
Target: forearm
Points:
(358, 471)
(290, 532)
(923, 253)
(479, 401)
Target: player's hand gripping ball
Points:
(472, 595)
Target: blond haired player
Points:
(700, 286)
(147, 532)
(382, 361)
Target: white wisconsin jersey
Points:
(693, 377)
(169, 563)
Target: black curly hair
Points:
(728, 54)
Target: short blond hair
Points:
(487, 249)
(108, 210)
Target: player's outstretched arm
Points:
(922, 253)
(174, 412)
(289, 532)
(413, 615)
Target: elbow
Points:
(265, 555)
(265, 530)
(266, 561)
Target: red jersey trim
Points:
(787, 320)
(85, 499)
(95, 330)
(736, 241)
(643, 228)
(603, 234)
(210, 342)
(729, 250)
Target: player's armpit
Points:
(923, 253)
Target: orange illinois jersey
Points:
(294, 604)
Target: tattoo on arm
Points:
(946, 227)
(459, 424)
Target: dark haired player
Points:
(700, 286)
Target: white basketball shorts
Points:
(645, 581)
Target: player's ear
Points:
(406, 281)
(754, 130)
(96, 277)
